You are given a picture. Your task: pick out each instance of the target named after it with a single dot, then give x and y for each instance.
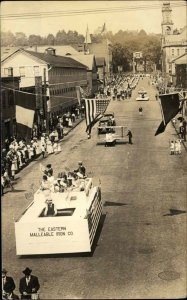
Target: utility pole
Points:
(46, 114)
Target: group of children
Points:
(175, 147)
(64, 181)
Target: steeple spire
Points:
(87, 39)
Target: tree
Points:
(7, 39)
(20, 39)
(50, 39)
(120, 57)
(34, 39)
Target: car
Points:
(104, 122)
(142, 95)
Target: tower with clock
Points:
(167, 23)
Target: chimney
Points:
(50, 51)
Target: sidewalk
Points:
(176, 126)
(68, 129)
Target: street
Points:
(140, 248)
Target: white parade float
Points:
(142, 95)
(71, 230)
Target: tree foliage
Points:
(124, 43)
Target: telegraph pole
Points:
(46, 114)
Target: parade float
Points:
(71, 230)
(142, 95)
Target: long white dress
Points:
(49, 147)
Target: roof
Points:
(182, 59)
(55, 60)
(86, 59)
(60, 50)
(100, 61)
(7, 51)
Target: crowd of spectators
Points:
(18, 153)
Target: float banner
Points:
(170, 106)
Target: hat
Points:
(27, 271)
(80, 162)
(4, 271)
(48, 166)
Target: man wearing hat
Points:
(50, 209)
(81, 169)
(7, 282)
(28, 285)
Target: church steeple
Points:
(87, 41)
(167, 23)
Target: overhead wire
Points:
(81, 12)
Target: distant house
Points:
(63, 74)
(89, 61)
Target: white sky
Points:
(148, 19)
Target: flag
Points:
(94, 109)
(25, 104)
(170, 106)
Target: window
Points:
(8, 71)
(172, 52)
(36, 71)
(22, 71)
(185, 50)
(178, 52)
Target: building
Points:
(8, 113)
(101, 69)
(102, 49)
(174, 42)
(179, 71)
(90, 62)
(60, 75)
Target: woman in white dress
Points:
(14, 166)
(50, 149)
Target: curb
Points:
(70, 129)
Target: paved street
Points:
(140, 249)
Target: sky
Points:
(71, 15)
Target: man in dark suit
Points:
(7, 282)
(29, 284)
(9, 294)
